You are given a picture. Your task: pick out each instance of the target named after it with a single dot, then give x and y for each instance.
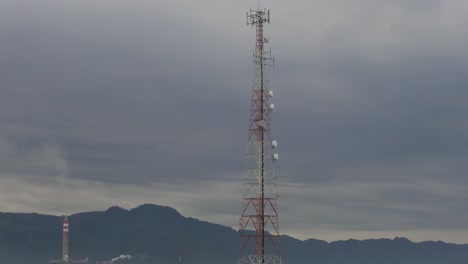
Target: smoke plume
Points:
(121, 257)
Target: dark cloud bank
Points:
(122, 103)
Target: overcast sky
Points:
(119, 102)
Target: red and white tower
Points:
(259, 229)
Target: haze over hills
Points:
(159, 234)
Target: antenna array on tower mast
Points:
(259, 229)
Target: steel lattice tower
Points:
(259, 229)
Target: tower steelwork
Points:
(259, 229)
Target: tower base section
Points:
(256, 259)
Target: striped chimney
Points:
(65, 239)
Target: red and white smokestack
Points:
(65, 225)
(65, 239)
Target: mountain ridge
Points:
(160, 234)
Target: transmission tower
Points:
(259, 229)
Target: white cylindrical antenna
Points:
(275, 157)
(270, 93)
(274, 144)
(272, 107)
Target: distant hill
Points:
(159, 234)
